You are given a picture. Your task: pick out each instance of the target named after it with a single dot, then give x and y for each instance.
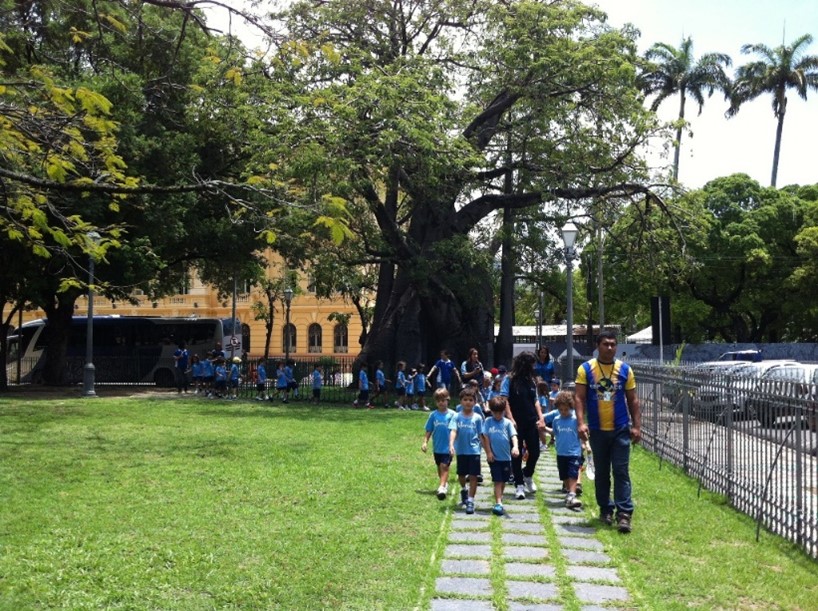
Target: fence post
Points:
(730, 432)
(685, 430)
(657, 409)
(800, 455)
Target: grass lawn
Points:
(189, 504)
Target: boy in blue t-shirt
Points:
(380, 383)
(220, 378)
(420, 387)
(317, 383)
(233, 393)
(363, 389)
(410, 390)
(501, 445)
(400, 385)
(207, 376)
(569, 447)
(282, 386)
(261, 381)
(437, 427)
(465, 440)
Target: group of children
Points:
(464, 432)
(410, 387)
(285, 382)
(215, 376)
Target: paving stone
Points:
(562, 510)
(579, 556)
(470, 536)
(517, 552)
(569, 519)
(524, 539)
(573, 529)
(470, 586)
(471, 523)
(581, 543)
(529, 569)
(531, 589)
(518, 606)
(467, 567)
(592, 573)
(593, 593)
(453, 604)
(520, 515)
(467, 551)
(527, 527)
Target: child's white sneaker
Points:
(520, 493)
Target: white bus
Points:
(127, 349)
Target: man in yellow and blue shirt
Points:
(608, 414)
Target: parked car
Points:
(791, 381)
(754, 356)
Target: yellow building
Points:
(312, 333)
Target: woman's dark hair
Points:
(547, 353)
(522, 368)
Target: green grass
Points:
(137, 503)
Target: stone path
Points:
(523, 554)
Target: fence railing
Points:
(764, 462)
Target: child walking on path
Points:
(501, 445)
(569, 447)
(363, 389)
(261, 381)
(400, 385)
(466, 434)
(317, 383)
(437, 428)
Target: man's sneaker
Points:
(355, 403)
(464, 496)
(426, 409)
(572, 502)
(520, 493)
(497, 510)
(441, 492)
(623, 522)
(606, 517)
(469, 506)
(579, 489)
(530, 486)
(479, 478)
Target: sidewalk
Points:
(524, 552)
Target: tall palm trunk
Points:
(782, 110)
(678, 150)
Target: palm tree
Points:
(673, 71)
(779, 69)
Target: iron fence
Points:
(756, 447)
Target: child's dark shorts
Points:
(260, 386)
(468, 464)
(400, 391)
(363, 396)
(443, 459)
(234, 383)
(500, 471)
(568, 466)
(420, 394)
(220, 384)
(316, 393)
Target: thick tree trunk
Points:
(678, 148)
(59, 314)
(504, 348)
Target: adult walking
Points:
(544, 366)
(607, 410)
(525, 411)
(472, 368)
(180, 358)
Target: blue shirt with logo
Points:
(566, 435)
(469, 429)
(499, 433)
(438, 425)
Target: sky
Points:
(744, 143)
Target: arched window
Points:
(314, 338)
(340, 339)
(291, 336)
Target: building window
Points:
(288, 333)
(311, 284)
(184, 286)
(314, 336)
(340, 339)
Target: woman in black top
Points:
(526, 413)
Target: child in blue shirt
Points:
(380, 382)
(233, 393)
(410, 390)
(261, 381)
(465, 440)
(363, 389)
(420, 387)
(220, 377)
(317, 383)
(569, 447)
(282, 386)
(552, 396)
(400, 385)
(501, 445)
(437, 428)
(196, 373)
(292, 385)
(207, 376)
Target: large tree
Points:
(675, 71)
(431, 117)
(778, 70)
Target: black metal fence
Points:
(755, 446)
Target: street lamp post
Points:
(569, 236)
(89, 371)
(288, 298)
(537, 343)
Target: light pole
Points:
(569, 236)
(233, 337)
(89, 371)
(537, 344)
(288, 298)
